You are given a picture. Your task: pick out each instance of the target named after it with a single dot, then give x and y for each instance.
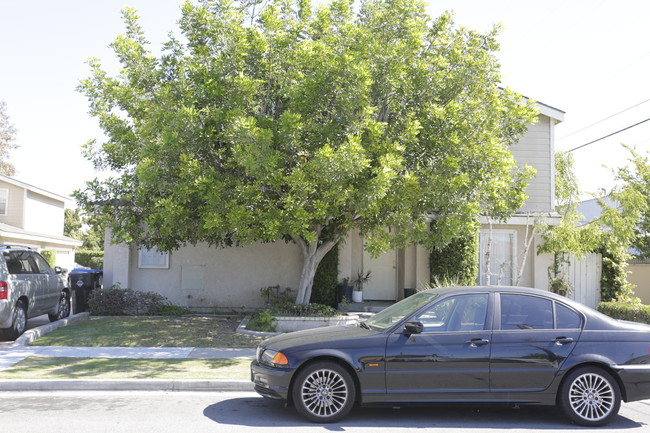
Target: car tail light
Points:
(4, 290)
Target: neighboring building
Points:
(230, 278)
(34, 217)
(638, 270)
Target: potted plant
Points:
(357, 284)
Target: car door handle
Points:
(563, 340)
(474, 342)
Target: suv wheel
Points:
(62, 308)
(19, 323)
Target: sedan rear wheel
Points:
(590, 396)
(324, 392)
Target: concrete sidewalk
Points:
(14, 353)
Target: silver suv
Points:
(29, 287)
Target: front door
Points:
(382, 285)
(449, 358)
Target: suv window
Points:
(18, 262)
(42, 267)
(526, 312)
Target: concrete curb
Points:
(38, 332)
(167, 385)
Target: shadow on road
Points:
(259, 412)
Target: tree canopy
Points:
(7, 141)
(285, 121)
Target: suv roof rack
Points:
(10, 246)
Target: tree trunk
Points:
(312, 254)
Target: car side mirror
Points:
(58, 270)
(411, 328)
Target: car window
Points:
(18, 262)
(526, 312)
(396, 312)
(566, 318)
(456, 314)
(42, 267)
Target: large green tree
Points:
(285, 121)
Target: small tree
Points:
(570, 236)
(289, 122)
(7, 141)
(622, 223)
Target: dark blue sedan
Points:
(463, 345)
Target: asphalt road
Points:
(158, 412)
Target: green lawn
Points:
(36, 367)
(187, 331)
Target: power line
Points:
(609, 135)
(602, 120)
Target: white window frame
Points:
(151, 258)
(4, 194)
(485, 233)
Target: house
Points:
(33, 217)
(230, 278)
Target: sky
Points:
(589, 59)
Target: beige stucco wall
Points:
(639, 275)
(205, 277)
(404, 268)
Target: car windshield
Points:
(396, 312)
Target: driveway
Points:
(31, 323)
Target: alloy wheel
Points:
(325, 393)
(592, 397)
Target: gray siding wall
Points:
(535, 148)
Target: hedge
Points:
(50, 256)
(457, 261)
(93, 259)
(626, 311)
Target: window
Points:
(502, 267)
(4, 201)
(566, 318)
(152, 258)
(526, 312)
(456, 314)
(18, 262)
(41, 265)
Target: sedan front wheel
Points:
(324, 392)
(590, 397)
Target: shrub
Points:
(631, 311)
(50, 256)
(115, 301)
(93, 259)
(170, 310)
(281, 303)
(262, 321)
(457, 261)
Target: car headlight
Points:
(272, 357)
